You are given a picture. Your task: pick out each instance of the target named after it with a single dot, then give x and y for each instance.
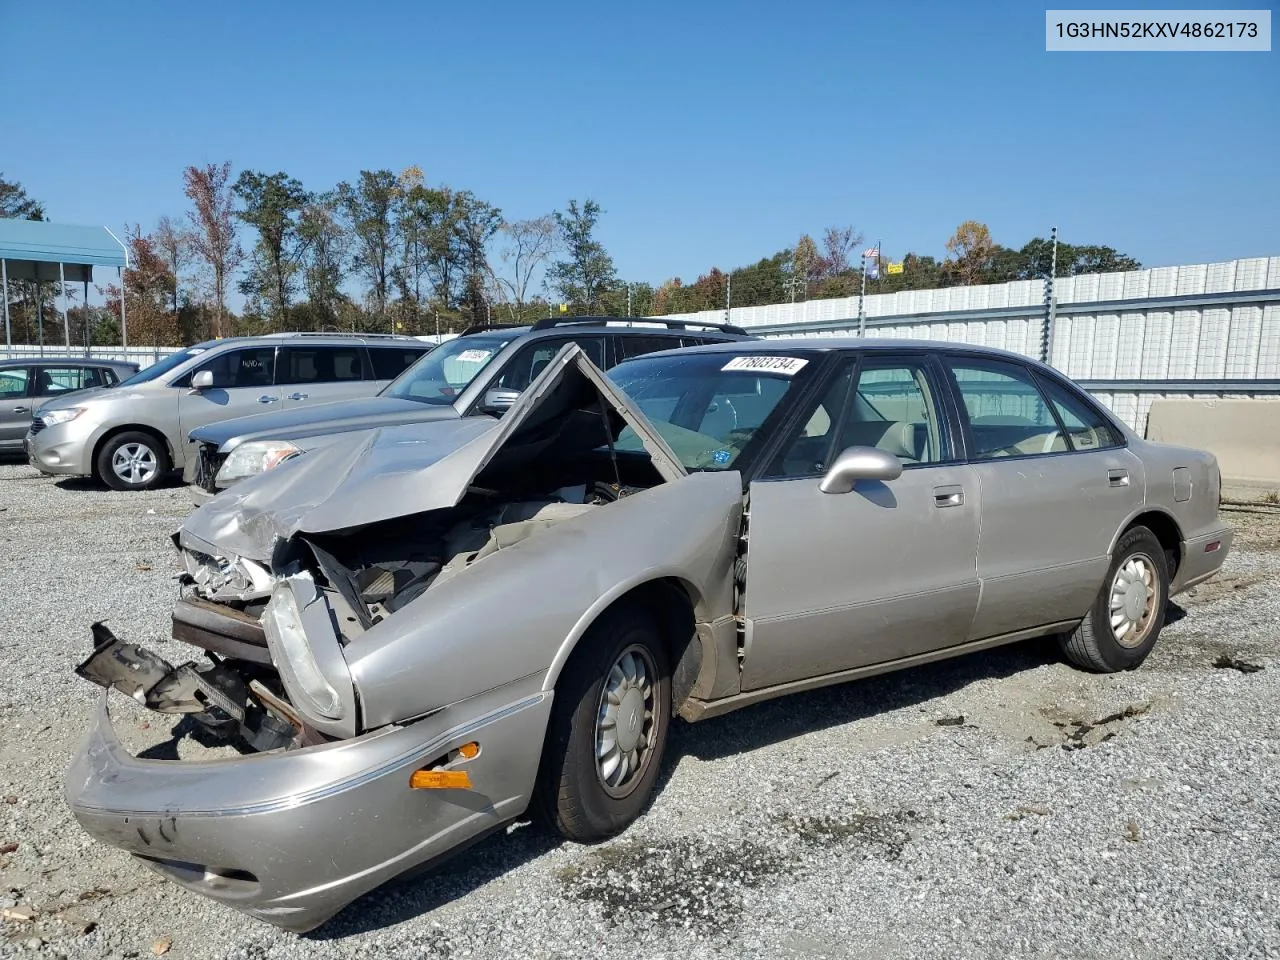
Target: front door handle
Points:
(1118, 477)
(298, 396)
(265, 399)
(949, 496)
(19, 409)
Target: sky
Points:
(710, 133)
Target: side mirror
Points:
(498, 400)
(860, 463)
(203, 380)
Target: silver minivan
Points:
(131, 436)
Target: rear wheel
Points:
(132, 460)
(608, 729)
(1125, 620)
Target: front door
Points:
(243, 384)
(1052, 499)
(839, 581)
(15, 405)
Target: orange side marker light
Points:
(440, 780)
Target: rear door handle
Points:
(19, 409)
(1118, 478)
(949, 496)
(265, 399)
(298, 396)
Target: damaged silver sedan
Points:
(416, 634)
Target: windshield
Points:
(161, 367)
(446, 371)
(706, 406)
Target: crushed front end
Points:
(299, 811)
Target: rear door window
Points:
(319, 364)
(1007, 413)
(1086, 427)
(390, 362)
(13, 383)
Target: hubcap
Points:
(1134, 594)
(135, 463)
(625, 721)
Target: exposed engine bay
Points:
(365, 575)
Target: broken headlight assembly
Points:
(219, 578)
(252, 458)
(293, 655)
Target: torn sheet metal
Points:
(392, 472)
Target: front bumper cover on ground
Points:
(293, 836)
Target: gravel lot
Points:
(1064, 815)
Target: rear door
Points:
(314, 373)
(15, 405)
(1050, 504)
(243, 384)
(840, 581)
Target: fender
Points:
(523, 609)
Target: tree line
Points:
(389, 252)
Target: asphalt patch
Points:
(883, 835)
(1225, 662)
(680, 882)
(1076, 734)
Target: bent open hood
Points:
(381, 474)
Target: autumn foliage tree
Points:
(214, 236)
(149, 288)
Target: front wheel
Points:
(1125, 620)
(132, 460)
(608, 729)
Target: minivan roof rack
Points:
(550, 322)
(351, 335)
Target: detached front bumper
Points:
(291, 837)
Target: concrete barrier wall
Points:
(1243, 434)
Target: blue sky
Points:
(711, 133)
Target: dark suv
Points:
(481, 371)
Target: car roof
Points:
(864, 344)
(82, 361)
(319, 339)
(626, 326)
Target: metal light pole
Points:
(862, 296)
(728, 295)
(4, 282)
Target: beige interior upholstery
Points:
(909, 441)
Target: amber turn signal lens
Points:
(469, 750)
(440, 780)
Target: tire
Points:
(1098, 646)
(132, 460)
(574, 794)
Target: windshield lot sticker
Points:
(473, 356)
(722, 457)
(787, 366)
